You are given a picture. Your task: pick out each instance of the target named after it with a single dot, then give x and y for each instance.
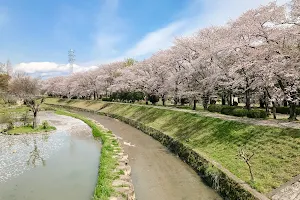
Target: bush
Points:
(153, 99)
(215, 108)
(227, 110)
(11, 124)
(286, 110)
(106, 99)
(25, 118)
(45, 125)
(257, 114)
(239, 112)
(283, 110)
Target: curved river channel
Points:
(59, 165)
(156, 173)
(63, 165)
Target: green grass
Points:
(106, 174)
(29, 129)
(277, 150)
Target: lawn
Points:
(276, 150)
(29, 130)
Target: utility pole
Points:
(72, 56)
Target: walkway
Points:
(260, 122)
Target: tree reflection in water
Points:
(35, 156)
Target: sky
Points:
(35, 35)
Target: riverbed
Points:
(59, 165)
(156, 173)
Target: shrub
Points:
(283, 110)
(286, 110)
(215, 108)
(106, 99)
(25, 118)
(239, 112)
(257, 114)
(227, 110)
(11, 124)
(153, 99)
(45, 125)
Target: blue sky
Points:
(37, 34)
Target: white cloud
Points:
(46, 69)
(217, 12)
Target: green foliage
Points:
(127, 96)
(286, 110)
(153, 99)
(215, 108)
(239, 112)
(255, 113)
(107, 99)
(29, 130)
(227, 110)
(45, 125)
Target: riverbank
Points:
(276, 149)
(114, 173)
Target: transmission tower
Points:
(71, 59)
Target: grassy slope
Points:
(29, 129)
(277, 151)
(106, 175)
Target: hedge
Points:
(286, 110)
(237, 111)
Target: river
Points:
(156, 173)
(59, 165)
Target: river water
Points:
(59, 165)
(157, 174)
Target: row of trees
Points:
(254, 56)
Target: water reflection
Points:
(35, 156)
(67, 161)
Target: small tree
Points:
(246, 157)
(27, 88)
(34, 104)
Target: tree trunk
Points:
(248, 103)
(229, 98)
(293, 114)
(274, 109)
(95, 96)
(261, 103)
(34, 124)
(182, 102)
(285, 103)
(163, 100)
(223, 99)
(266, 99)
(146, 99)
(205, 100)
(195, 104)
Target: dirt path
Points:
(260, 122)
(156, 173)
